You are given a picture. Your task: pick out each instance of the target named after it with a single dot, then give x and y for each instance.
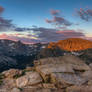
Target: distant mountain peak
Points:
(71, 44)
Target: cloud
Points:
(48, 21)
(61, 21)
(44, 35)
(5, 24)
(58, 20)
(85, 14)
(55, 12)
(1, 9)
(72, 33)
(17, 37)
(47, 34)
(19, 29)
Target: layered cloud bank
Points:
(36, 35)
(42, 34)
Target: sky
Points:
(34, 21)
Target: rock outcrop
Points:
(58, 74)
(72, 44)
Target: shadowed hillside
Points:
(72, 44)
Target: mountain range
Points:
(18, 55)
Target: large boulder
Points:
(12, 73)
(46, 70)
(32, 78)
(63, 80)
(8, 84)
(75, 62)
(22, 81)
(54, 68)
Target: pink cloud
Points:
(57, 19)
(48, 21)
(72, 33)
(55, 12)
(1, 9)
(16, 37)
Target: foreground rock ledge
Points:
(58, 74)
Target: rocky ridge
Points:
(58, 74)
(71, 44)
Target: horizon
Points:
(28, 43)
(35, 21)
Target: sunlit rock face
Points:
(72, 44)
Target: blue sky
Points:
(25, 13)
(33, 12)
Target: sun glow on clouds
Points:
(15, 36)
(20, 34)
(43, 35)
(89, 35)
